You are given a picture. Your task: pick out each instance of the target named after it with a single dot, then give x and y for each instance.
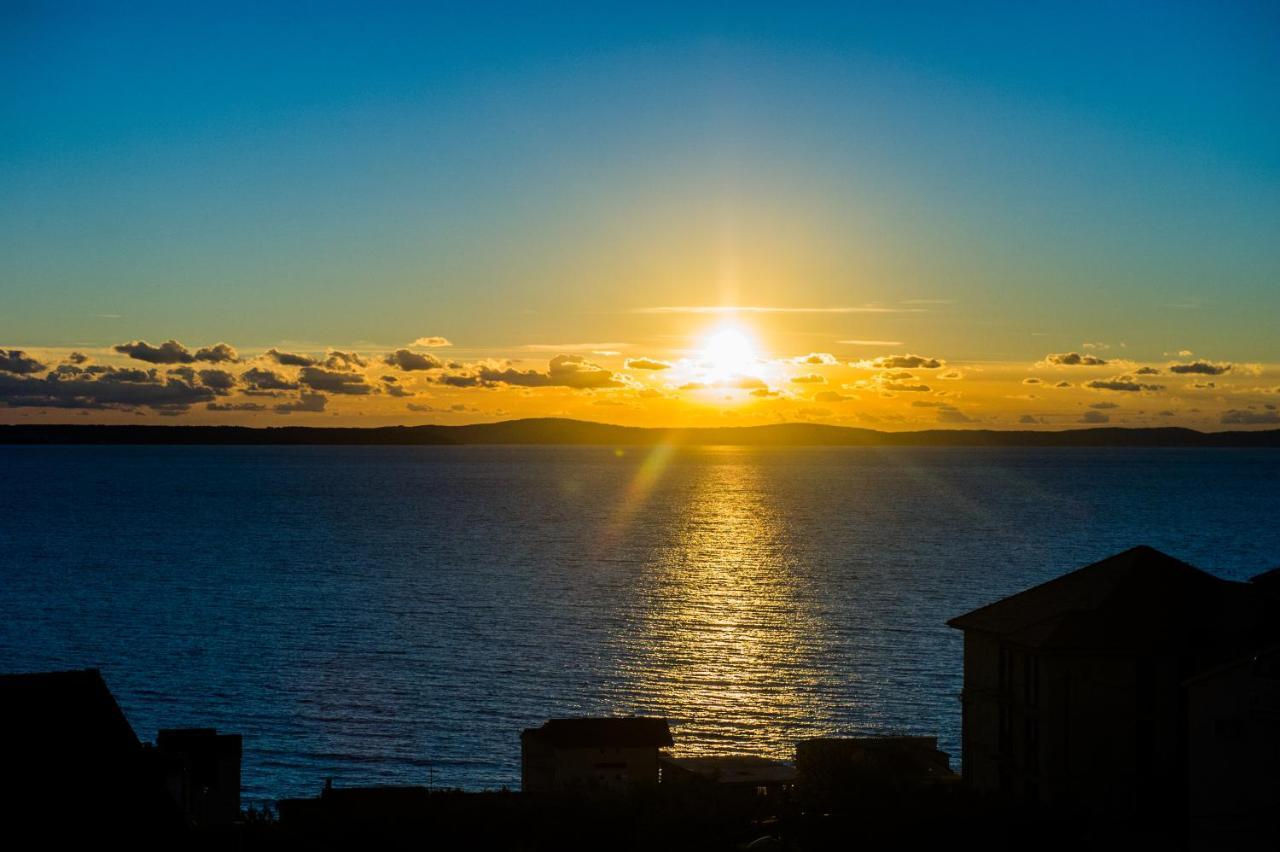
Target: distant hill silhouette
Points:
(552, 430)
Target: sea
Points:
(396, 615)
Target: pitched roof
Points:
(73, 752)
(70, 710)
(609, 732)
(1140, 600)
(1268, 581)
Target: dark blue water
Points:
(398, 614)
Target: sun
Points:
(729, 352)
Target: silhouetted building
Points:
(202, 773)
(602, 754)
(72, 766)
(834, 768)
(1073, 690)
(357, 806)
(758, 776)
(1233, 744)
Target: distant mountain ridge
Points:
(552, 430)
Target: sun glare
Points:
(728, 351)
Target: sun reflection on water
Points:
(728, 647)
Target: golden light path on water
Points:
(727, 645)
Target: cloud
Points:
(1103, 405)
(318, 378)
(609, 348)
(646, 364)
(1146, 371)
(742, 383)
(235, 406)
(1203, 368)
(901, 362)
(1074, 359)
(19, 362)
(810, 379)
(1094, 417)
(128, 374)
(219, 353)
(459, 381)
(760, 309)
(307, 402)
(570, 371)
(951, 375)
(816, 358)
(901, 381)
(430, 342)
(338, 360)
(408, 361)
(765, 392)
(415, 406)
(219, 381)
(169, 352)
(1029, 419)
(102, 387)
(393, 388)
(953, 415)
(259, 379)
(1063, 385)
(1122, 383)
(814, 412)
(77, 358)
(1031, 380)
(173, 352)
(870, 342)
(289, 359)
(832, 396)
(1245, 417)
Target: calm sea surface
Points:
(397, 615)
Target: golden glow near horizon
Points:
(688, 375)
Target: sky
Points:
(897, 216)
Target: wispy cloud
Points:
(765, 309)
(870, 342)
(575, 347)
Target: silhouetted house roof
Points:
(64, 711)
(73, 765)
(620, 732)
(1268, 582)
(1135, 602)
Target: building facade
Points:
(592, 754)
(1073, 690)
